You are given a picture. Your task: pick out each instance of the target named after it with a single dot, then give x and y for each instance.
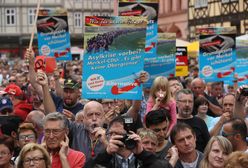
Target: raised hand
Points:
(41, 78)
(64, 147)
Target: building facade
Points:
(17, 18)
(218, 13)
(173, 17)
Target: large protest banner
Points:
(217, 53)
(148, 9)
(114, 57)
(242, 59)
(53, 34)
(164, 63)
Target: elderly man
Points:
(198, 87)
(88, 137)
(36, 118)
(56, 141)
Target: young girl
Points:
(160, 97)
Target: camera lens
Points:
(130, 143)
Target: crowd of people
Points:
(180, 122)
(102, 42)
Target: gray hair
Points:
(36, 117)
(56, 116)
(183, 91)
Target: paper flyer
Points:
(217, 53)
(148, 9)
(53, 34)
(164, 63)
(114, 57)
(242, 60)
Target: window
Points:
(78, 19)
(95, 14)
(201, 4)
(31, 15)
(10, 16)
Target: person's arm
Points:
(215, 109)
(58, 89)
(173, 155)
(49, 105)
(29, 55)
(133, 111)
(173, 114)
(218, 126)
(148, 159)
(63, 152)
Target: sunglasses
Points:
(227, 135)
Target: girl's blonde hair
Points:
(160, 82)
(223, 142)
(32, 147)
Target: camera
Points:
(129, 143)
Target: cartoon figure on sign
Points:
(63, 53)
(116, 90)
(148, 48)
(144, 76)
(243, 78)
(224, 74)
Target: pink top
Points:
(171, 106)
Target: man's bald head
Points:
(92, 104)
(198, 86)
(93, 115)
(36, 118)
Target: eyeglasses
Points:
(29, 137)
(55, 132)
(186, 101)
(35, 160)
(227, 135)
(4, 154)
(12, 81)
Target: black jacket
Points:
(143, 160)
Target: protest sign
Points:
(53, 34)
(148, 9)
(164, 63)
(242, 60)
(217, 53)
(182, 68)
(113, 57)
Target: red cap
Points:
(13, 89)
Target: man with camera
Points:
(125, 148)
